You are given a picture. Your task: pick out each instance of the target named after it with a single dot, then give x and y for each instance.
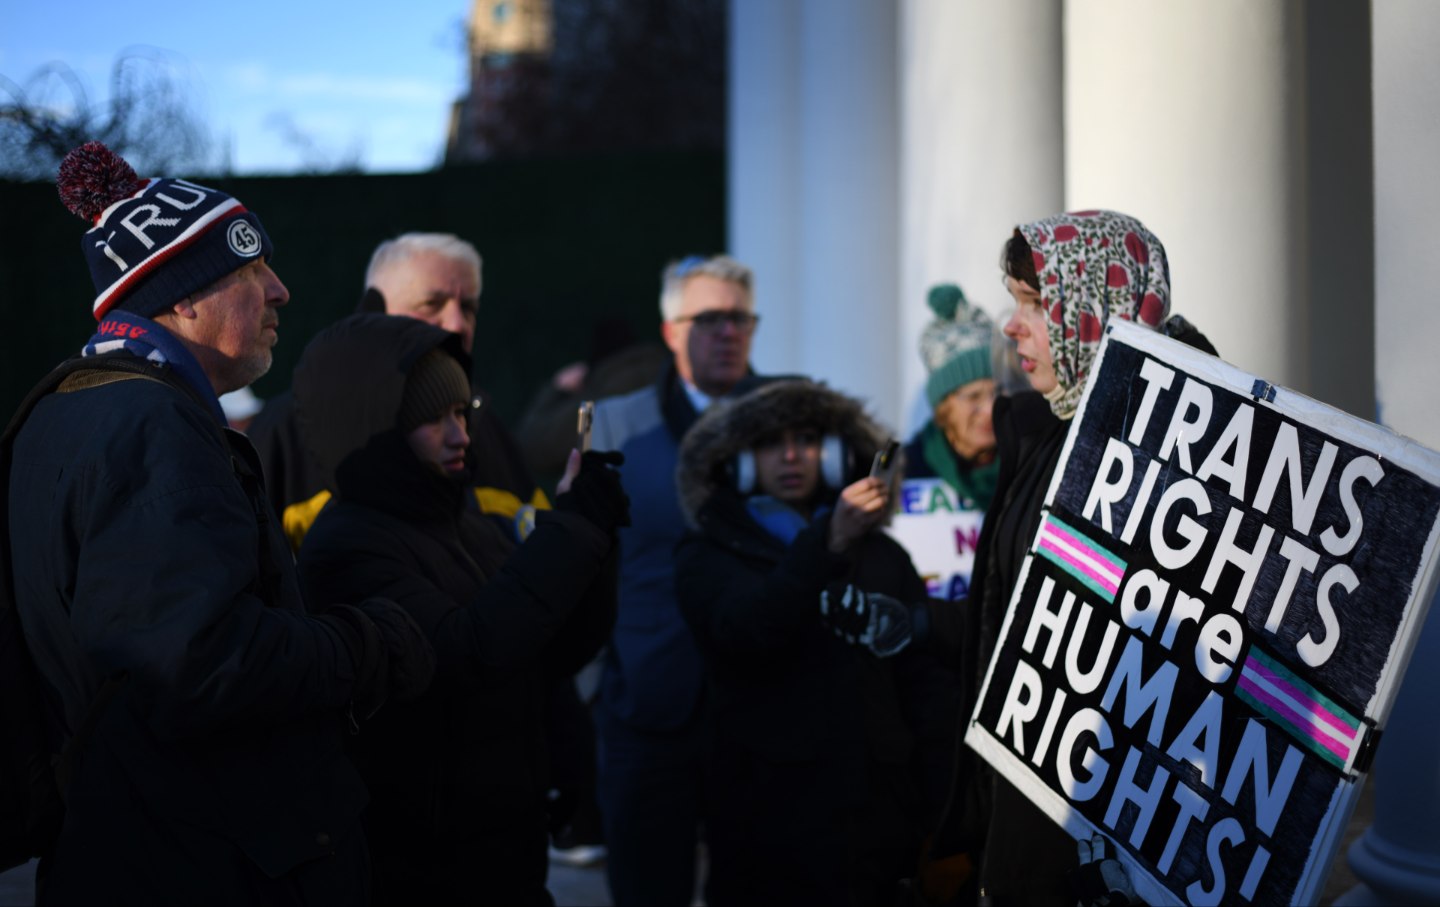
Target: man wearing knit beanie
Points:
(167, 253)
(950, 468)
(199, 704)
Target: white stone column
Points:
(981, 148)
(764, 169)
(1175, 113)
(1398, 857)
(1407, 215)
(1238, 131)
(814, 186)
(849, 189)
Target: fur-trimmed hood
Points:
(730, 426)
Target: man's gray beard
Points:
(247, 369)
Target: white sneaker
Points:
(581, 855)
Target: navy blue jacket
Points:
(652, 676)
(216, 774)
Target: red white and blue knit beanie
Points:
(154, 241)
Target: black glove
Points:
(596, 492)
(1101, 880)
(393, 659)
(869, 619)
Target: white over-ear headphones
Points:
(745, 472)
(834, 465)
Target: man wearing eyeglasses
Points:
(650, 715)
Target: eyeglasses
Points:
(711, 321)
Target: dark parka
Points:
(1029, 439)
(143, 551)
(827, 762)
(459, 777)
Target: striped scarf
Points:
(126, 332)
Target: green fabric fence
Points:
(566, 243)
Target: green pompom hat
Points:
(955, 347)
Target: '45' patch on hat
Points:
(153, 242)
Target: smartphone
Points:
(885, 462)
(585, 418)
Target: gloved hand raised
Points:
(594, 491)
(871, 619)
(1101, 880)
(393, 659)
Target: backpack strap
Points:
(71, 371)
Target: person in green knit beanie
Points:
(950, 465)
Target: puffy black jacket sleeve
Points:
(354, 553)
(737, 609)
(589, 625)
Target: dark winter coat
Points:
(820, 751)
(143, 550)
(459, 777)
(1021, 845)
(294, 479)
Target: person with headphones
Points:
(819, 763)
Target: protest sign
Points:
(939, 528)
(1211, 624)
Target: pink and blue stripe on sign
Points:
(1324, 727)
(1078, 556)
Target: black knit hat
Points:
(436, 383)
(154, 241)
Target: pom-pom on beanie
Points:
(153, 241)
(956, 345)
(436, 383)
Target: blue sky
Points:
(366, 81)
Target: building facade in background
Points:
(510, 49)
(577, 76)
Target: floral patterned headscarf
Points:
(1093, 266)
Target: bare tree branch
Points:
(148, 118)
(315, 157)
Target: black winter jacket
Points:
(827, 759)
(143, 549)
(458, 778)
(1022, 853)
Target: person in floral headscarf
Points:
(1069, 274)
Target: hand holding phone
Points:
(585, 418)
(887, 459)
